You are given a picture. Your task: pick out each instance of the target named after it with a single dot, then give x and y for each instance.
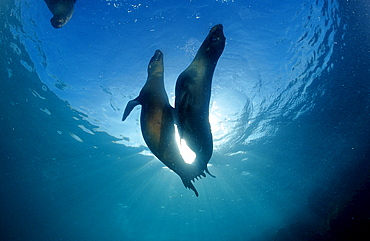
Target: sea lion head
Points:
(62, 12)
(155, 66)
(214, 43)
(58, 21)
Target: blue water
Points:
(290, 115)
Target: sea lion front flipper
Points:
(130, 105)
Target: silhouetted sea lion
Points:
(62, 11)
(157, 123)
(193, 93)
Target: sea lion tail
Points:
(187, 183)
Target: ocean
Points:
(289, 113)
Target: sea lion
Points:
(157, 123)
(62, 11)
(193, 93)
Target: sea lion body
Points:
(157, 123)
(62, 11)
(193, 93)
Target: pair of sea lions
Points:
(191, 112)
(62, 11)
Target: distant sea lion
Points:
(157, 123)
(62, 11)
(193, 93)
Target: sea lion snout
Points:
(57, 22)
(158, 55)
(217, 34)
(217, 27)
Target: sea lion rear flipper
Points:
(130, 105)
(187, 183)
(202, 167)
(207, 171)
